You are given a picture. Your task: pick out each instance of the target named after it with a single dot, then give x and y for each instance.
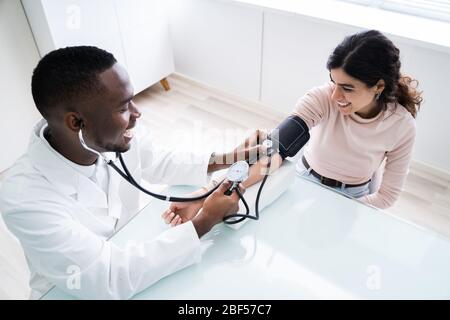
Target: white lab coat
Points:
(50, 208)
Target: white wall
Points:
(18, 57)
(295, 52)
(432, 69)
(216, 42)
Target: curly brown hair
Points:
(370, 56)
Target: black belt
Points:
(327, 181)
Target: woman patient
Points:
(363, 116)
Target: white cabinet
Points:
(145, 37)
(134, 31)
(18, 57)
(218, 43)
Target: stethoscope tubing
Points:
(230, 219)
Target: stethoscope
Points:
(237, 173)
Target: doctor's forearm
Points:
(202, 224)
(219, 161)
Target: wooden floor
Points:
(192, 116)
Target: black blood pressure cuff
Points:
(290, 136)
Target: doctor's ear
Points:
(73, 121)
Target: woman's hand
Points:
(181, 212)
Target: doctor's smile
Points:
(113, 122)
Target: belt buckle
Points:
(329, 182)
(322, 180)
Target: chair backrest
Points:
(377, 176)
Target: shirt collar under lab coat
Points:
(69, 179)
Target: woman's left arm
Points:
(396, 170)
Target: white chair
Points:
(375, 182)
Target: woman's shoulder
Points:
(317, 97)
(323, 91)
(399, 113)
(401, 118)
(314, 105)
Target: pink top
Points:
(350, 148)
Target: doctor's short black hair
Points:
(65, 75)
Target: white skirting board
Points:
(430, 172)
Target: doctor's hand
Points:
(216, 207)
(180, 212)
(250, 150)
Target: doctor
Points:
(63, 203)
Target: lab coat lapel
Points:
(90, 194)
(66, 179)
(115, 203)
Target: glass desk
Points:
(311, 243)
